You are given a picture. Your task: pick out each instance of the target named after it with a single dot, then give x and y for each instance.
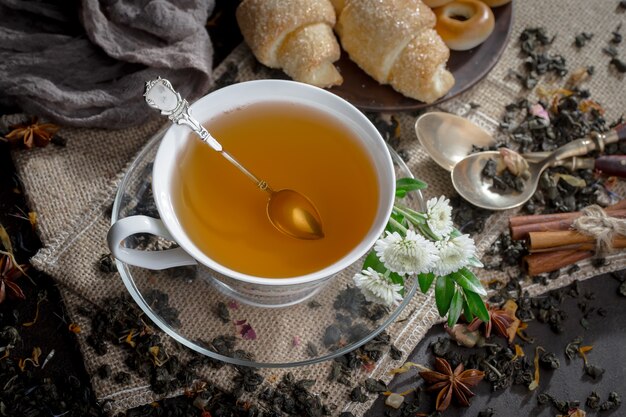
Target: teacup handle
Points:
(161, 259)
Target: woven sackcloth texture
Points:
(73, 203)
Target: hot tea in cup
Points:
(293, 136)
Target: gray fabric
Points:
(85, 66)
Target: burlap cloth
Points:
(71, 188)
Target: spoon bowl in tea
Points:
(289, 211)
(473, 186)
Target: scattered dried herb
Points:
(616, 36)
(395, 353)
(618, 64)
(502, 181)
(471, 219)
(574, 349)
(159, 302)
(501, 370)
(357, 395)
(612, 402)
(122, 378)
(311, 349)
(503, 319)
(9, 273)
(106, 263)
(535, 382)
(488, 412)
(534, 43)
(373, 385)
(104, 371)
(223, 313)
(582, 38)
(549, 361)
(560, 405)
(292, 397)
(451, 383)
(41, 297)
(33, 133)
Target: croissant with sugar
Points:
(293, 35)
(394, 41)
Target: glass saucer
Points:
(186, 303)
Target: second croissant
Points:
(393, 41)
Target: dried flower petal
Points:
(514, 162)
(9, 273)
(247, 332)
(533, 385)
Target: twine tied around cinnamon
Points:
(596, 223)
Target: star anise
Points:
(503, 319)
(9, 273)
(451, 383)
(32, 133)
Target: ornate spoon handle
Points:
(161, 95)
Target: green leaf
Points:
(396, 278)
(400, 193)
(409, 184)
(456, 306)
(444, 291)
(469, 316)
(372, 261)
(466, 279)
(425, 281)
(477, 306)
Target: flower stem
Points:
(418, 219)
(412, 215)
(396, 224)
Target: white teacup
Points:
(247, 288)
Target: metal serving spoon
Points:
(469, 182)
(289, 211)
(448, 138)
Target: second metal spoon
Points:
(470, 183)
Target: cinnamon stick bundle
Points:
(539, 263)
(542, 218)
(551, 243)
(564, 222)
(566, 239)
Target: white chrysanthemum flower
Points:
(439, 216)
(377, 288)
(454, 254)
(412, 254)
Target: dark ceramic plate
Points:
(468, 68)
